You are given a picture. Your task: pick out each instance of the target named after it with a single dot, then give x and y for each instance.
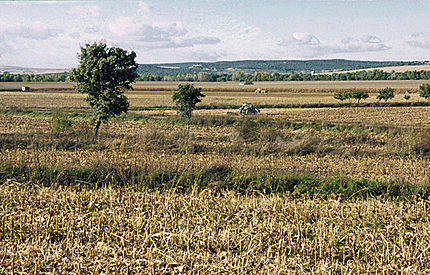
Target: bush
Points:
(419, 141)
(412, 142)
(386, 94)
(359, 95)
(342, 95)
(247, 129)
(60, 123)
(425, 91)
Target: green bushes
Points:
(352, 94)
(385, 94)
(425, 91)
(61, 123)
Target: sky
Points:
(49, 34)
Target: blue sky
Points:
(48, 34)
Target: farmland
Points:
(334, 189)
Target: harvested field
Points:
(289, 190)
(148, 99)
(219, 86)
(117, 230)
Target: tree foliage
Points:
(342, 95)
(359, 95)
(425, 91)
(186, 98)
(356, 94)
(385, 94)
(104, 74)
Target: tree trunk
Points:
(97, 130)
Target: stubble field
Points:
(342, 189)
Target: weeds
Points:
(60, 123)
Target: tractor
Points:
(248, 108)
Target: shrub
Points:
(425, 91)
(386, 94)
(342, 95)
(419, 141)
(60, 122)
(247, 129)
(359, 95)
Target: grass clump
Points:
(215, 175)
(61, 123)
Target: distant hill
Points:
(270, 66)
(24, 70)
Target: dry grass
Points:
(62, 230)
(117, 229)
(290, 85)
(158, 147)
(139, 99)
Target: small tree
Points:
(385, 94)
(105, 74)
(407, 95)
(425, 91)
(359, 94)
(186, 98)
(342, 95)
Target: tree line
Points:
(238, 76)
(9, 77)
(383, 94)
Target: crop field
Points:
(342, 189)
(154, 94)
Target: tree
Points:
(385, 94)
(105, 74)
(342, 95)
(425, 91)
(186, 98)
(359, 94)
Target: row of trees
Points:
(238, 76)
(383, 94)
(294, 76)
(8, 77)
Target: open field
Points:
(150, 94)
(148, 99)
(117, 230)
(400, 69)
(219, 86)
(316, 190)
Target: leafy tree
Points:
(342, 95)
(359, 95)
(425, 91)
(105, 74)
(385, 94)
(186, 98)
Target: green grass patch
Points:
(215, 178)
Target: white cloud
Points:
(75, 35)
(306, 45)
(156, 35)
(185, 43)
(85, 10)
(143, 9)
(37, 31)
(305, 38)
(92, 29)
(420, 40)
(127, 26)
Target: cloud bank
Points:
(307, 45)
